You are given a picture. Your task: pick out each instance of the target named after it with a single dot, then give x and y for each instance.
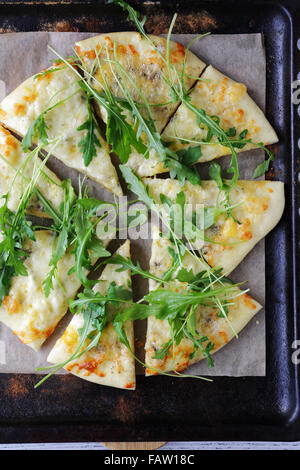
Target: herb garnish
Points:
(75, 223)
(96, 313)
(179, 93)
(15, 228)
(88, 143)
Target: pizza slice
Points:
(26, 310)
(143, 68)
(31, 111)
(16, 170)
(257, 208)
(110, 362)
(210, 323)
(224, 99)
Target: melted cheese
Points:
(31, 98)
(110, 363)
(260, 209)
(208, 323)
(219, 96)
(11, 150)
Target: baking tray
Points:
(251, 408)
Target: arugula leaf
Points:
(185, 276)
(47, 72)
(163, 351)
(14, 230)
(190, 155)
(86, 240)
(133, 15)
(127, 264)
(64, 229)
(197, 343)
(215, 174)
(136, 185)
(120, 134)
(264, 166)
(37, 129)
(88, 144)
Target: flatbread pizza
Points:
(209, 323)
(162, 110)
(146, 70)
(218, 95)
(66, 122)
(26, 310)
(258, 208)
(14, 159)
(110, 362)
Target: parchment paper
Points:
(242, 57)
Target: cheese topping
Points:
(11, 150)
(110, 363)
(219, 96)
(261, 207)
(145, 71)
(208, 321)
(30, 99)
(26, 310)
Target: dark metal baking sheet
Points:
(252, 408)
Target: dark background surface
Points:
(66, 409)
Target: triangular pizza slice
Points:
(228, 236)
(226, 101)
(144, 67)
(209, 321)
(31, 107)
(16, 171)
(110, 362)
(26, 310)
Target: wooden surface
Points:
(133, 445)
(184, 446)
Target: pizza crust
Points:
(110, 363)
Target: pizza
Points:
(209, 323)
(59, 86)
(145, 70)
(110, 363)
(161, 109)
(258, 208)
(220, 96)
(26, 310)
(213, 92)
(144, 67)
(12, 160)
